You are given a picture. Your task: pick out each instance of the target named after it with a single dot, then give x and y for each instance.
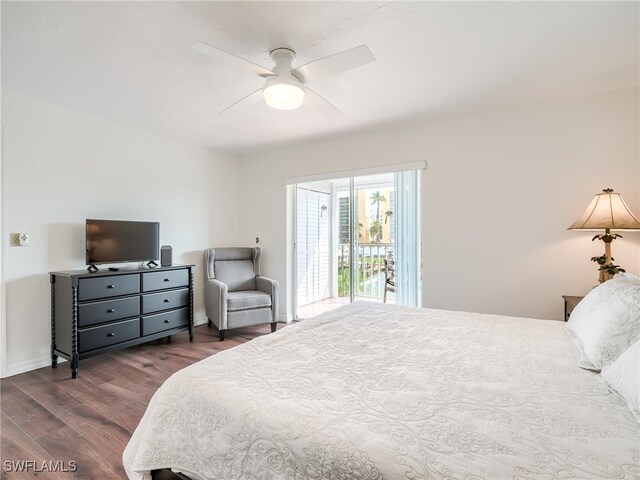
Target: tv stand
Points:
(92, 268)
(152, 264)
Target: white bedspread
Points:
(373, 391)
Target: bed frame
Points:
(167, 474)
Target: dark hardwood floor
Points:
(47, 417)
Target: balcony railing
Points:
(370, 269)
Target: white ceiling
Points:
(129, 61)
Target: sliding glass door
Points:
(373, 240)
(357, 238)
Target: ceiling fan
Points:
(285, 87)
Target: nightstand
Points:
(570, 302)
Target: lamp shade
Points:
(283, 93)
(607, 210)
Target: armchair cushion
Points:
(247, 299)
(236, 274)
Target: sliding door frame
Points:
(294, 182)
(294, 250)
(353, 235)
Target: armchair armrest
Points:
(269, 286)
(215, 298)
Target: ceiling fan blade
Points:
(335, 64)
(251, 99)
(317, 102)
(224, 56)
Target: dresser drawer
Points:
(161, 280)
(97, 337)
(103, 287)
(165, 321)
(156, 302)
(105, 311)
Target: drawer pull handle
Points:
(111, 310)
(111, 286)
(167, 280)
(166, 321)
(111, 334)
(166, 300)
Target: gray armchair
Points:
(235, 293)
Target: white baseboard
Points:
(29, 365)
(200, 321)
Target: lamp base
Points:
(607, 269)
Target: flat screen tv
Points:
(116, 241)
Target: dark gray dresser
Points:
(94, 313)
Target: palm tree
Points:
(376, 226)
(376, 199)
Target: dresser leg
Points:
(54, 358)
(75, 358)
(74, 366)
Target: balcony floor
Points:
(331, 303)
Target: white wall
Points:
(499, 193)
(61, 167)
(500, 190)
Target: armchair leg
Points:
(221, 334)
(209, 322)
(274, 325)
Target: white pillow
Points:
(607, 321)
(623, 376)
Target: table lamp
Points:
(606, 211)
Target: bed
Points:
(371, 391)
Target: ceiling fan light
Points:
(283, 96)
